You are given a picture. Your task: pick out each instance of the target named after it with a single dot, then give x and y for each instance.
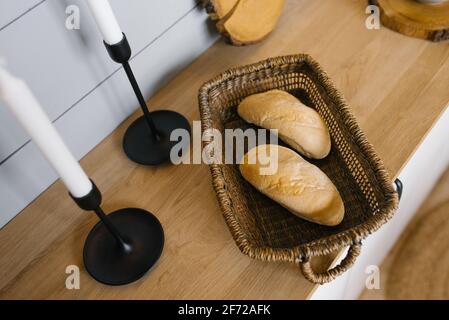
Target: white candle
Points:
(106, 21)
(22, 103)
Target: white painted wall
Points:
(83, 91)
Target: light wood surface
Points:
(415, 19)
(397, 87)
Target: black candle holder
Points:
(147, 140)
(123, 245)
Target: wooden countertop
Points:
(397, 87)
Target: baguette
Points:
(297, 185)
(299, 126)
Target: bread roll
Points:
(297, 185)
(299, 126)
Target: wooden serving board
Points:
(419, 20)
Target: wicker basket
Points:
(263, 229)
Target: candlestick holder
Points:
(123, 245)
(147, 140)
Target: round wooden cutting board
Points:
(426, 21)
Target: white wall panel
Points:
(63, 65)
(11, 10)
(80, 87)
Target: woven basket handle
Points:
(331, 274)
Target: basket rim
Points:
(326, 244)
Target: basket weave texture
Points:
(263, 229)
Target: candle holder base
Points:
(110, 263)
(142, 147)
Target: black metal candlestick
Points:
(123, 245)
(147, 140)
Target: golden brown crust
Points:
(297, 185)
(299, 126)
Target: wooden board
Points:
(420, 20)
(396, 86)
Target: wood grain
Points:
(421, 20)
(397, 87)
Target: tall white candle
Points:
(22, 103)
(106, 21)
